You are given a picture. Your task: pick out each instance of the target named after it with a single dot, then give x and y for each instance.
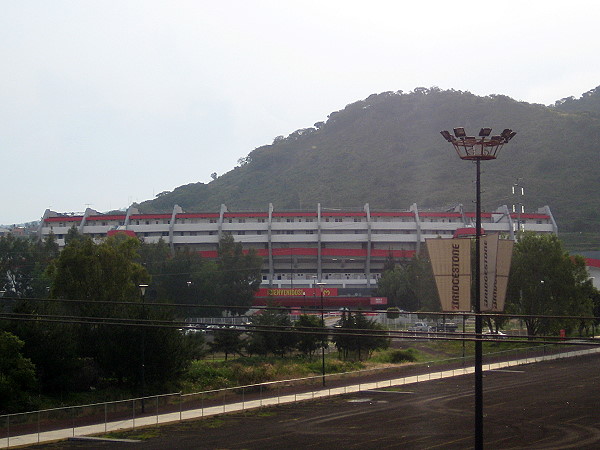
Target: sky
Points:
(105, 103)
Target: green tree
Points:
(104, 279)
(239, 275)
(358, 336)
(393, 313)
(393, 284)
(546, 280)
(389, 263)
(409, 286)
(595, 296)
(154, 255)
(52, 347)
(17, 376)
(228, 341)
(272, 333)
(22, 265)
(185, 278)
(311, 334)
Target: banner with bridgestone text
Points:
(496, 255)
(451, 264)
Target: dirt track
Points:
(546, 405)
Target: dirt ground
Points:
(539, 406)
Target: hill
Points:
(386, 150)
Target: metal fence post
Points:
(105, 417)
(157, 410)
(133, 411)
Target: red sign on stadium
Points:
(296, 292)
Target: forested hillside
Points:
(386, 150)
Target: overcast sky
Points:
(105, 103)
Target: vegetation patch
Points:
(142, 435)
(396, 356)
(243, 371)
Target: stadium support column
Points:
(270, 245)
(131, 210)
(40, 230)
(546, 210)
(88, 212)
(176, 210)
(415, 210)
(222, 212)
(505, 211)
(319, 259)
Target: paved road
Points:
(554, 404)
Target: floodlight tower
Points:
(481, 148)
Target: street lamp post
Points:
(143, 295)
(476, 149)
(323, 335)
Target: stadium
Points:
(341, 249)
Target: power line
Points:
(290, 329)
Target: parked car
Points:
(419, 326)
(494, 335)
(448, 327)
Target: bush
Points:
(398, 356)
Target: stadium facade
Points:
(344, 249)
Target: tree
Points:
(239, 275)
(17, 376)
(272, 333)
(105, 280)
(228, 341)
(359, 336)
(394, 285)
(393, 313)
(52, 347)
(546, 281)
(184, 278)
(595, 296)
(22, 265)
(311, 334)
(106, 272)
(409, 286)
(390, 262)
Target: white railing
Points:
(61, 423)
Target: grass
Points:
(396, 356)
(209, 374)
(141, 434)
(206, 374)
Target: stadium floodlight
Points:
(446, 134)
(507, 134)
(478, 149)
(460, 132)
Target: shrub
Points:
(398, 356)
